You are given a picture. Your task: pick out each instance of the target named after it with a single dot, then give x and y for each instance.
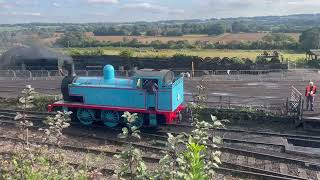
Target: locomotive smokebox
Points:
(108, 72)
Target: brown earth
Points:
(224, 38)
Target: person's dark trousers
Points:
(310, 100)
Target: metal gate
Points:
(295, 104)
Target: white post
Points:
(192, 67)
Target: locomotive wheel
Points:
(138, 122)
(85, 116)
(110, 118)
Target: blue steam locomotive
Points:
(157, 97)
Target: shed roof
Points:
(314, 52)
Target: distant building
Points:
(313, 54)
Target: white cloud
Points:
(55, 4)
(24, 14)
(144, 6)
(99, 14)
(238, 8)
(5, 5)
(102, 1)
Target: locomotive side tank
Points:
(156, 95)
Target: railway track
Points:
(161, 135)
(181, 127)
(178, 128)
(264, 133)
(227, 166)
(231, 149)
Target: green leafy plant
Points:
(130, 130)
(193, 161)
(199, 101)
(169, 165)
(41, 102)
(56, 125)
(132, 165)
(193, 156)
(40, 166)
(25, 102)
(37, 162)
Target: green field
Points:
(10, 29)
(251, 54)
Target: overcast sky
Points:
(24, 11)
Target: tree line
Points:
(74, 36)
(309, 39)
(274, 24)
(161, 30)
(271, 41)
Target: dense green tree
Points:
(310, 39)
(75, 39)
(216, 29)
(173, 32)
(136, 32)
(110, 31)
(239, 26)
(278, 37)
(157, 44)
(153, 32)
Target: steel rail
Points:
(232, 148)
(226, 166)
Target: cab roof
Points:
(165, 75)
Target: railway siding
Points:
(237, 162)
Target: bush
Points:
(126, 53)
(301, 62)
(248, 61)
(179, 55)
(236, 60)
(41, 102)
(261, 60)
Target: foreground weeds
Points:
(28, 161)
(193, 156)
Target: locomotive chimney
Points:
(108, 72)
(70, 68)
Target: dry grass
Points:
(225, 38)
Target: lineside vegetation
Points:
(192, 156)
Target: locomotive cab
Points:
(153, 81)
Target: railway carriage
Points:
(157, 97)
